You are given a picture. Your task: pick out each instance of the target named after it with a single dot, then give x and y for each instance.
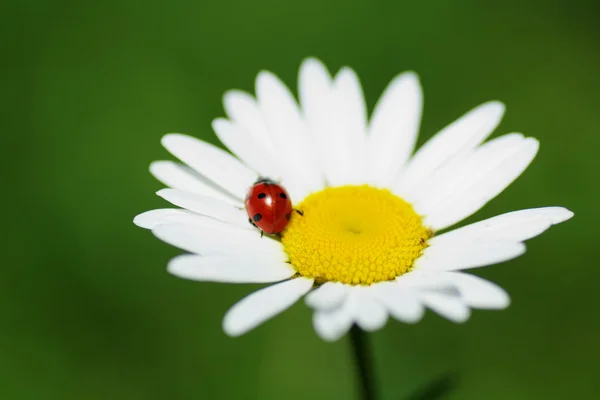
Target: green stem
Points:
(364, 362)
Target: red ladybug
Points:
(269, 206)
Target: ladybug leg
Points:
(300, 212)
(252, 223)
(262, 233)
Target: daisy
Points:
(366, 246)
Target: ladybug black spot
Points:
(262, 195)
(282, 195)
(288, 215)
(257, 217)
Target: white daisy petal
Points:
(327, 296)
(331, 325)
(205, 205)
(247, 148)
(229, 269)
(556, 215)
(368, 314)
(314, 83)
(174, 216)
(477, 292)
(448, 306)
(318, 107)
(244, 111)
(336, 115)
(212, 162)
(513, 226)
(207, 241)
(433, 192)
(401, 302)
(394, 128)
(153, 218)
(351, 117)
(454, 141)
(419, 279)
(493, 175)
(289, 132)
(182, 177)
(264, 304)
(457, 256)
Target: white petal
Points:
(220, 240)
(556, 215)
(432, 193)
(401, 302)
(319, 110)
(212, 162)
(264, 304)
(247, 148)
(513, 226)
(244, 111)
(153, 218)
(489, 176)
(331, 325)
(314, 83)
(205, 205)
(229, 269)
(394, 128)
(289, 133)
(351, 116)
(368, 314)
(477, 292)
(454, 141)
(446, 257)
(419, 279)
(327, 296)
(448, 306)
(182, 177)
(336, 115)
(170, 216)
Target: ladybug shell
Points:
(269, 206)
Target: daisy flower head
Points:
(363, 244)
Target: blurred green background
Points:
(88, 88)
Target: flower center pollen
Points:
(354, 235)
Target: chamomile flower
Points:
(366, 246)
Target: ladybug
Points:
(269, 206)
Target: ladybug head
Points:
(266, 181)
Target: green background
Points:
(88, 88)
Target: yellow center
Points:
(354, 235)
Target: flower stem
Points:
(363, 358)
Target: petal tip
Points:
(313, 62)
(141, 220)
(495, 105)
(172, 139)
(164, 192)
(156, 165)
(566, 215)
(265, 77)
(219, 124)
(410, 78)
(175, 266)
(231, 327)
(493, 109)
(412, 75)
